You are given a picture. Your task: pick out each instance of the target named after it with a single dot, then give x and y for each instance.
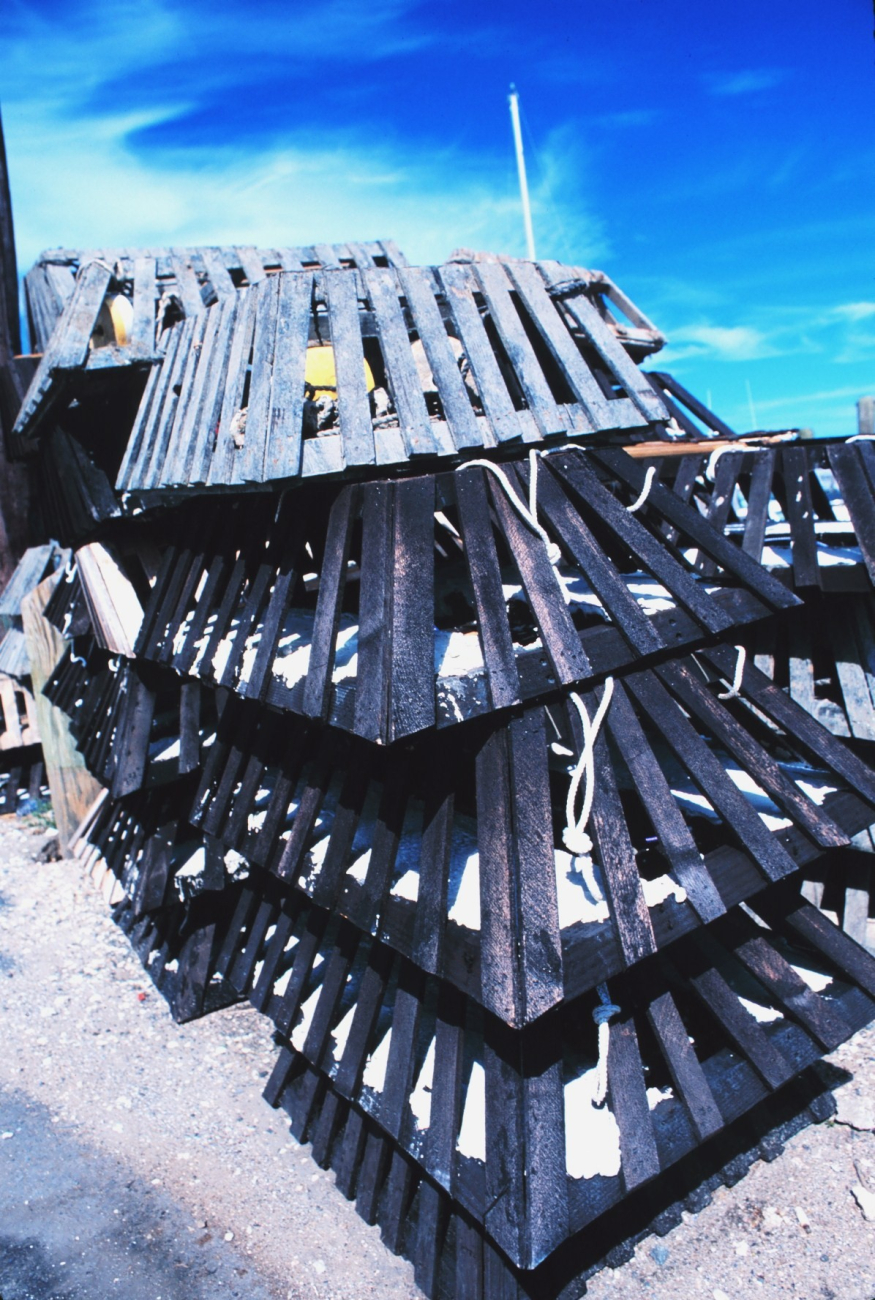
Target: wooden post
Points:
(866, 416)
(10, 332)
(73, 788)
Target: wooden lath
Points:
(440, 590)
(466, 356)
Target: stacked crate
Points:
(423, 720)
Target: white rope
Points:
(602, 1015)
(735, 689)
(68, 619)
(574, 837)
(861, 437)
(113, 665)
(77, 659)
(554, 554)
(645, 491)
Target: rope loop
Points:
(113, 664)
(77, 659)
(574, 836)
(735, 689)
(602, 1015)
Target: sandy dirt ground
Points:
(137, 1158)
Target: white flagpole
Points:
(521, 168)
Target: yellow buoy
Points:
(121, 311)
(320, 375)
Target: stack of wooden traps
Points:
(415, 692)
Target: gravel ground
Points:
(138, 1159)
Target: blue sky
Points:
(717, 161)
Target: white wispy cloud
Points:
(110, 73)
(723, 343)
(745, 81)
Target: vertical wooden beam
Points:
(73, 788)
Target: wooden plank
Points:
(686, 1072)
(482, 560)
(459, 285)
(250, 261)
(856, 490)
(763, 1053)
(708, 418)
(187, 422)
(616, 855)
(800, 514)
(353, 405)
(187, 288)
(601, 575)
(285, 422)
(70, 350)
(401, 372)
(543, 592)
(458, 411)
(720, 501)
(250, 460)
(805, 922)
(758, 503)
(434, 866)
(412, 680)
(163, 427)
(854, 681)
(145, 295)
(199, 458)
(332, 578)
(73, 788)
(217, 274)
(223, 462)
(627, 1090)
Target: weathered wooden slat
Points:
(800, 513)
(856, 490)
(459, 284)
(332, 577)
(80, 316)
(609, 348)
(543, 592)
(217, 274)
(577, 475)
(689, 688)
(145, 294)
(482, 560)
(356, 428)
(187, 288)
(628, 1095)
(249, 463)
(552, 328)
(372, 682)
(223, 461)
(758, 503)
(283, 444)
(686, 1072)
(417, 287)
(401, 371)
(411, 689)
(250, 261)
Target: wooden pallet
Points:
(226, 406)
(69, 292)
(392, 607)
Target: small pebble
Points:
(660, 1254)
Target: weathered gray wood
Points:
(401, 369)
(356, 428)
